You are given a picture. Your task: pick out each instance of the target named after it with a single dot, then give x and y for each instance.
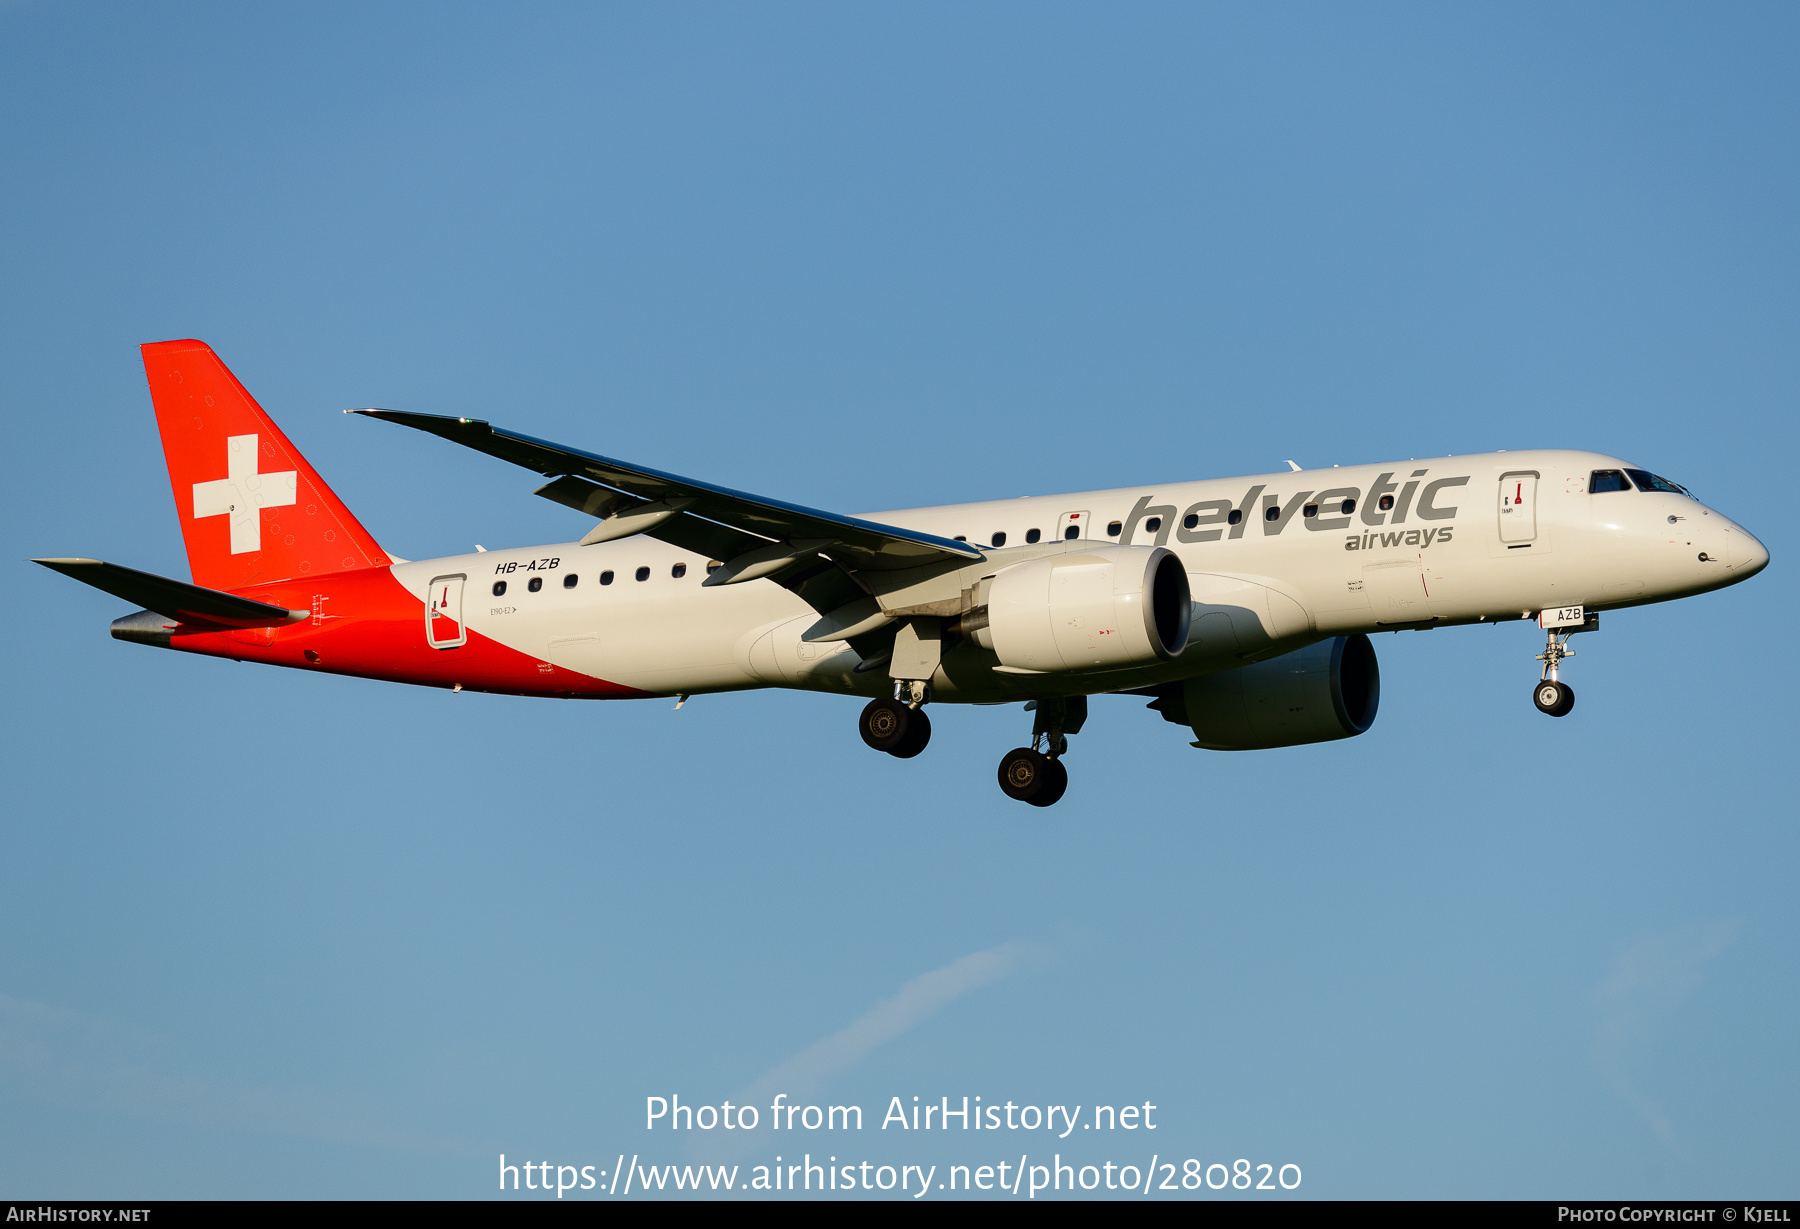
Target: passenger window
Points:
(1647, 481)
(643, 573)
(535, 583)
(999, 539)
(1386, 503)
(1272, 513)
(713, 565)
(1112, 530)
(1032, 535)
(499, 588)
(1310, 510)
(1607, 480)
(1153, 524)
(606, 578)
(961, 537)
(571, 580)
(1189, 521)
(1236, 517)
(1072, 532)
(678, 571)
(1349, 506)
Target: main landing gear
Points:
(1033, 774)
(1038, 777)
(898, 726)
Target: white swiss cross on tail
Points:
(243, 494)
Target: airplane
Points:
(1240, 608)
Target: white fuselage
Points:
(1521, 533)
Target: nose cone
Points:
(1744, 555)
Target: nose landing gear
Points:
(1551, 695)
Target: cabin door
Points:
(1518, 509)
(443, 613)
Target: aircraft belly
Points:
(656, 644)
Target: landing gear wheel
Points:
(1054, 787)
(1554, 698)
(918, 733)
(1031, 777)
(893, 727)
(883, 724)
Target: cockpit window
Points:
(1647, 481)
(1607, 480)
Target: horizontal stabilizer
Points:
(174, 598)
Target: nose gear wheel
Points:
(1554, 698)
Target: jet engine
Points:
(1325, 691)
(1098, 610)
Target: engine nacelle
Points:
(1098, 610)
(1325, 691)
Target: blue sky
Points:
(264, 933)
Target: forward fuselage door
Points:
(1072, 525)
(1518, 508)
(443, 613)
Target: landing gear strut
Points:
(1038, 776)
(898, 726)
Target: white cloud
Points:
(915, 1002)
(1645, 980)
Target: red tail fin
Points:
(252, 510)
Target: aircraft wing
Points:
(706, 514)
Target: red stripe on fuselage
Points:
(366, 624)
